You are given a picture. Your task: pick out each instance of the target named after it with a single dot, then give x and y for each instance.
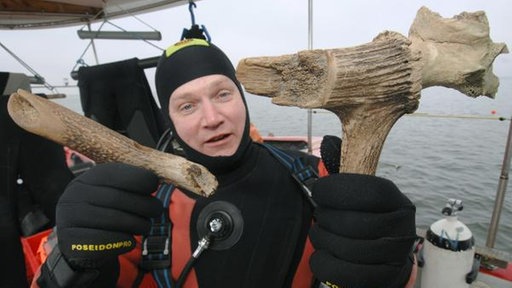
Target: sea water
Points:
(431, 159)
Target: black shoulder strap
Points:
(303, 174)
(156, 246)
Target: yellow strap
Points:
(185, 43)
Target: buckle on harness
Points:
(155, 247)
(305, 178)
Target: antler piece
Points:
(370, 86)
(372, 83)
(59, 124)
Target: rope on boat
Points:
(24, 64)
(81, 62)
(124, 30)
(462, 116)
(431, 115)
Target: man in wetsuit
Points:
(257, 230)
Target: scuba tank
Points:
(447, 257)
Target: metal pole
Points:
(500, 194)
(310, 46)
(120, 35)
(93, 46)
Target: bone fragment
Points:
(61, 125)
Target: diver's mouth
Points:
(218, 138)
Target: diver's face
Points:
(209, 114)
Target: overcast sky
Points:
(246, 29)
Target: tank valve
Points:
(452, 208)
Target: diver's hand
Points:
(364, 232)
(102, 209)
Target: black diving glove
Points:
(97, 216)
(364, 232)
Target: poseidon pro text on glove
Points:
(102, 209)
(364, 232)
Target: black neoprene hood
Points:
(183, 62)
(188, 60)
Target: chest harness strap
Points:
(156, 246)
(304, 175)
